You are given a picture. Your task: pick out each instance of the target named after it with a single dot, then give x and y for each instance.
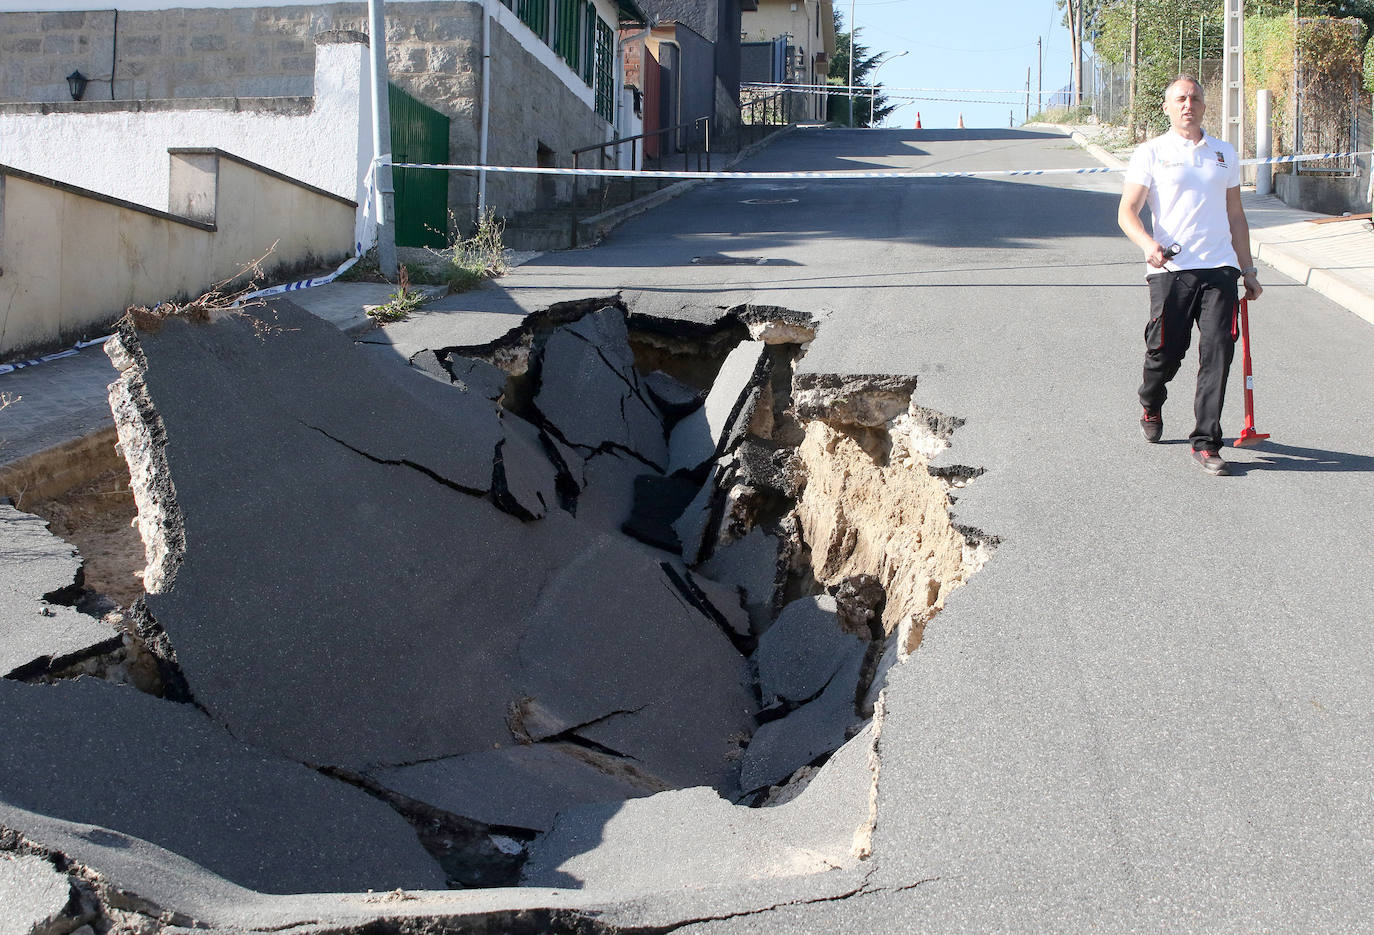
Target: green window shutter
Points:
(589, 44)
(535, 15)
(568, 28)
(605, 78)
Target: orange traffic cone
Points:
(918, 120)
(961, 121)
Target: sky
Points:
(985, 45)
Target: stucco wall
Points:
(229, 48)
(72, 260)
(119, 148)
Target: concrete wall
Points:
(72, 260)
(119, 148)
(1323, 194)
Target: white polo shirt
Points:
(1186, 186)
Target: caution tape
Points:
(825, 176)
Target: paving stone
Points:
(707, 432)
(33, 895)
(546, 778)
(780, 748)
(750, 564)
(803, 649)
(34, 563)
(183, 783)
(633, 666)
(675, 399)
(591, 394)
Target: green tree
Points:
(868, 107)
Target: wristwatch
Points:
(1249, 270)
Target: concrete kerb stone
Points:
(598, 225)
(1331, 284)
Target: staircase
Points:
(552, 228)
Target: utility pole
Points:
(381, 141)
(1076, 41)
(1027, 94)
(1040, 73)
(1135, 45)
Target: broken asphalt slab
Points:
(169, 776)
(691, 838)
(718, 424)
(357, 586)
(38, 629)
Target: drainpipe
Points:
(486, 110)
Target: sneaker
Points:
(1152, 425)
(1211, 461)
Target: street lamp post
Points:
(873, 88)
(852, 124)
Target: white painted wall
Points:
(124, 153)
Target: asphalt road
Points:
(1152, 709)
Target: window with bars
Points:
(589, 44)
(605, 83)
(567, 39)
(535, 15)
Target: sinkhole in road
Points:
(497, 587)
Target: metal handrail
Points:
(577, 156)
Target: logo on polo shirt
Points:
(1221, 157)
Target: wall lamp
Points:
(76, 84)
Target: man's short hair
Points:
(1185, 77)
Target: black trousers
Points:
(1208, 298)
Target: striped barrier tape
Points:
(821, 176)
(663, 174)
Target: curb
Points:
(597, 226)
(1321, 281)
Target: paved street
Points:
(1152, 709)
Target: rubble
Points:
(548, 617)
(40, 578)
(35, 897)
(178, 781)
(719, 423)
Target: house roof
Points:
(631, 13)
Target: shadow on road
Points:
(1276, 457)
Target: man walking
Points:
(1199, 245)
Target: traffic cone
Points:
(961, 121)
(918, 120)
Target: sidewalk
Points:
(62, 401)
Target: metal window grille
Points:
(589, 44)
(605, 85)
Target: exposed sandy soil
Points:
(97, 517)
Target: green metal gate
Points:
(419, 133)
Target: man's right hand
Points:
(1157, 256)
